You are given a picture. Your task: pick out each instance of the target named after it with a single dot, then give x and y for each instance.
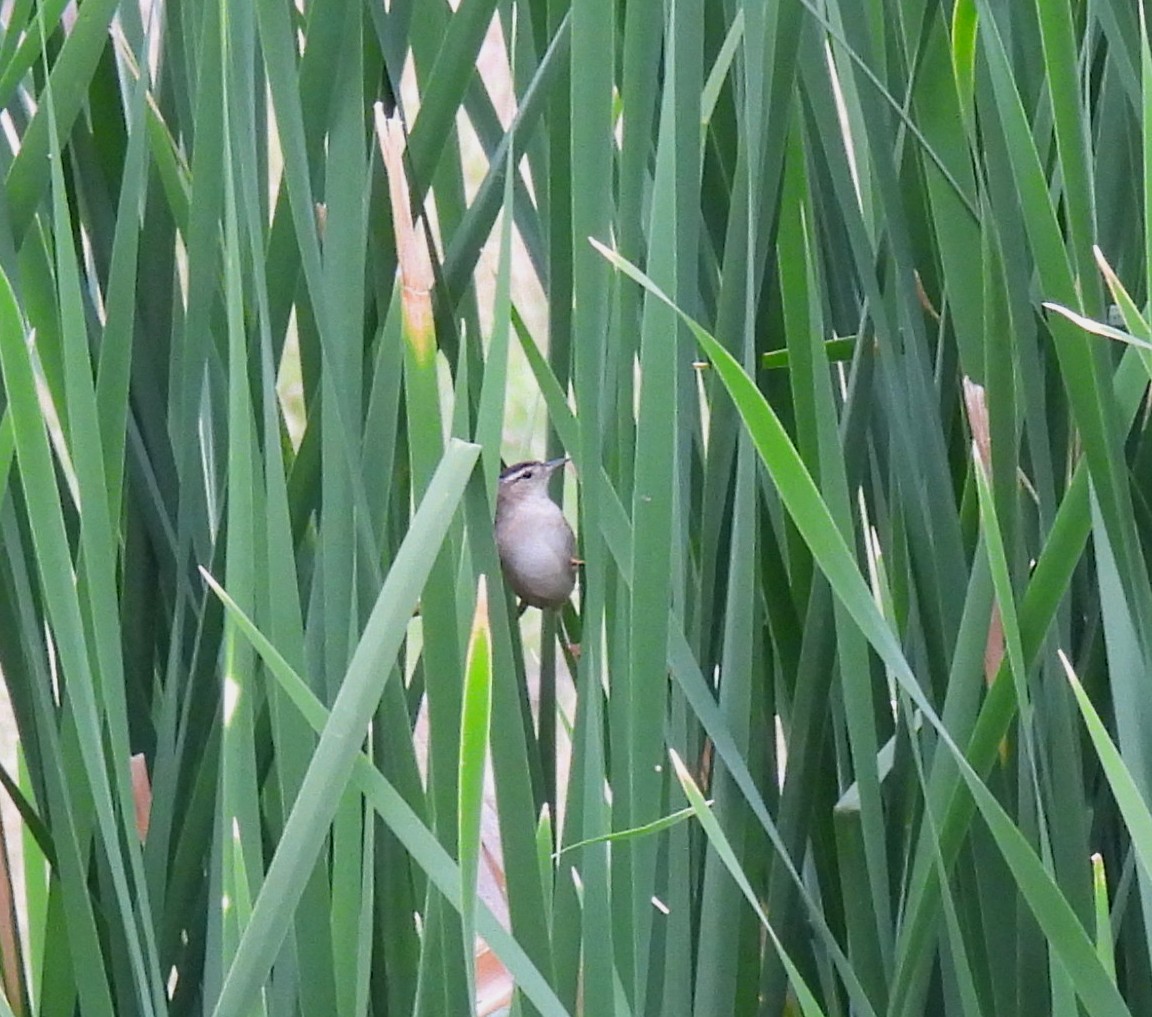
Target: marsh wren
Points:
(536, 544)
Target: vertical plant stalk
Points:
(442, 656)
(474, 733)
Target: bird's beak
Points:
(555, 464)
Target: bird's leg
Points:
(568, 622)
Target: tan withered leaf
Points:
(11, 951)
(416, 276)
(977, 408)
(141, 794)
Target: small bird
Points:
(536, 544)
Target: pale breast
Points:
(536, 551)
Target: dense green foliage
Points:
(844, 333)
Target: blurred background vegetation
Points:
(839, 308)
